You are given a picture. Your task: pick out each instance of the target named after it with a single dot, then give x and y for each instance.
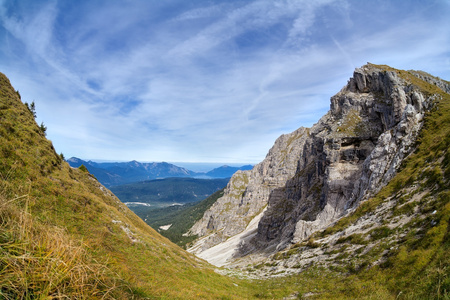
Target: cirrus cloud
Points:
(206, 81)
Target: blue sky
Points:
(202, 81)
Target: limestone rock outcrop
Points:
(247, 192)
(312, 177)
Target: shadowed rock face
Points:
(248, 192)
(312, 177)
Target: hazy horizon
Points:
(192, 166)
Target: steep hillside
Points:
(313, 177)
(63, 235)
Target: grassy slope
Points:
(63, 235)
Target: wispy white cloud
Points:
(202, 81)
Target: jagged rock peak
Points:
(312, 177)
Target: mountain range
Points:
(118, 173)
(355, 207)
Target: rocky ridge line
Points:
(312, 177)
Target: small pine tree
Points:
(43, 128)
(33, 109)
(83, 168)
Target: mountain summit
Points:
(313, 177)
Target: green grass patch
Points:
(356, 238)
(380, 232)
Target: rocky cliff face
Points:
(247, 192)
(312, 177)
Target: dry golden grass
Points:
(39, 261)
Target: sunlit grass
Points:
(37, 261)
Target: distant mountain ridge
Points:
(119, 173)
(226, 171)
